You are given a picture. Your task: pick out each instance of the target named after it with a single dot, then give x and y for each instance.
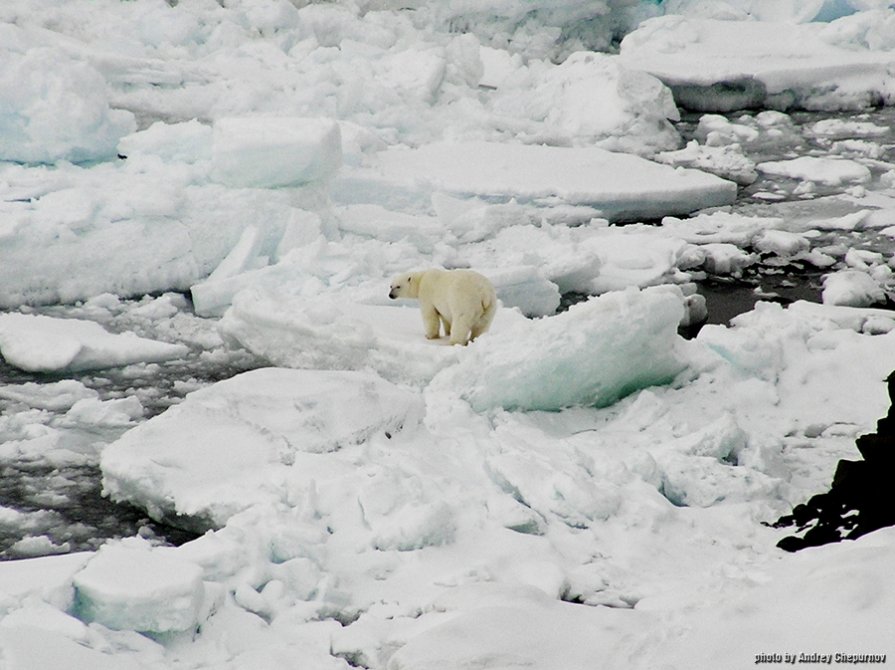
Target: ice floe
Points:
(823, 170)
(617, 186)
(717, 65)
(853, 288)
(254, 428)
(44, 344)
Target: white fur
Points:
(462, 301)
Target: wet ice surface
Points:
(50, 498)
(866, 138)
(52, 503)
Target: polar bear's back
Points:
(449, 290)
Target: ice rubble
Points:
(404, 506)
(588, 99)
(186, 224)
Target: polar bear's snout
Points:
(401, 287)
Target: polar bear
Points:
(462, 300)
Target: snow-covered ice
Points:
(534, 632)
(318, 334)
(403, 507)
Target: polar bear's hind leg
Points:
(484, 323)
(446, 324)
(461, 328)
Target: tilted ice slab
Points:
(617, 186)
(237, 439)
(593, 354)
(714, 65)
(45, 344)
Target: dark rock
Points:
(861, 498)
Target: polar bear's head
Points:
(405, 286)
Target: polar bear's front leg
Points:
(431, 322)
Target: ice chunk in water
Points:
(830, 171)
(853, 288)
(46, 344)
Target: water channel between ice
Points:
(50, 500)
